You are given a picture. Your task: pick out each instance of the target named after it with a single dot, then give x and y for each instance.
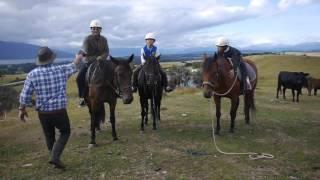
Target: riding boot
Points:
(135, 78)
(58, 149)
(81, 82)
(165, 81)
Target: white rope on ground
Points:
(252, 155)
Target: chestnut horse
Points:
(220, 80)
(107, 80)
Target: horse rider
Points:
(233, 54)
(95, 47)
(147, 51)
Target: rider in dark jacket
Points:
(235, 56)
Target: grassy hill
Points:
(182, 148)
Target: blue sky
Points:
(178, 24)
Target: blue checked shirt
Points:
(48, 82)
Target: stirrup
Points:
(134, 89)
(82, 102)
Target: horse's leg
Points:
(315, 91)
(284, 92)
(233, 111)
(153, 110)
(298, 93)
(217, 101)
(101, 116)
(112, 107)
(143, 112)
(146, 111)
(159, 106)
(93, 128)
(292, 90)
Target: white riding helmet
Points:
(222, 41)
(95, 23)
(150, 36)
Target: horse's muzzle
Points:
(207, 94)
(127, 99)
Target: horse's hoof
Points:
(217, 133)
(90, 146)
(142, 131)
(115, 139)
(154, 128)
(231, 131)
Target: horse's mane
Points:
(105, 66)
(151, 61)
(208, 61)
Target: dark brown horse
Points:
(150, 87)
(220, 80)
(107, 80)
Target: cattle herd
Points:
(296, 81)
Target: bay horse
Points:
(150, 86)
(220, 80)
(107, 81)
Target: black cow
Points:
(293, 81)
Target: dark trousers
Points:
(81, 80)
(136, 74)
(49, 121)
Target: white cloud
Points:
(257, 3)
(64, 23)
(284, 4)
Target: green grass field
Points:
(182, 148)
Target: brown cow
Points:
(314, 84)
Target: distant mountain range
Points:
(17, 50)
(308, 47)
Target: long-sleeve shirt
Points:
(154, 51)
(95, 47)
(48, 82)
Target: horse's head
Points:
(215, 72)
(151, 69)
(123, 75)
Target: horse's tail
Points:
(252, 102)
(249, 100)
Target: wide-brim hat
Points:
(45, 56)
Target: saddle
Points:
(250, 72)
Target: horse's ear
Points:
(131, 58)
(114, 60)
